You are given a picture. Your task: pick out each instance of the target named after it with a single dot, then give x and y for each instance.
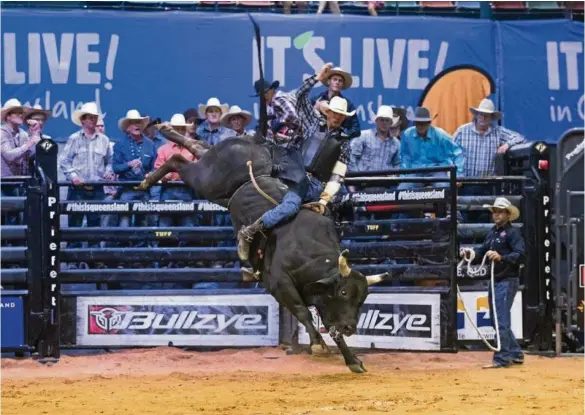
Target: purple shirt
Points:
(15, 152)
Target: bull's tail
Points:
(263, 122)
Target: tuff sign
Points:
(533, 69)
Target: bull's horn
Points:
(374, 279)
(344, 269)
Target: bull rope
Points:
(472, 272)
(253, 179)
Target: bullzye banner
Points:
(533, 70)
(391, 321)
(210, 320)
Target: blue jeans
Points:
(93, 219)
(184, 195)
(505, 292)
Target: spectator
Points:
(237, 119)
(16, 146)
(482, 140)
(110, 192)
(86, 157)
(192, 117)
(333, 6)
(302, 6)
(159, 140)
(337, 80)
(377, 149)
(175, 192)
(134, 157)
(35, 118)
(210, 130)
(427, 146)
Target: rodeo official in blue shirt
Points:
(505, 246)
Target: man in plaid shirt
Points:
(482, 140)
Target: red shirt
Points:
(165, 152)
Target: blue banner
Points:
(12, 321)
(165, 62)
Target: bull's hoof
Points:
(357, 368)
(144, 185)
(320, 350)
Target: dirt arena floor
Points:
(266, 381)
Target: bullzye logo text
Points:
(403, 320)
(208, 320)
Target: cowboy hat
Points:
(347, 79)
(385, 111)
(235, 110)
(178, 120)
(503, 203)
(263, 86)
(87, 108)
(192, 113)
(212, 102)
(422, 114)
(486, 106)
(337, 105)
(10, 105)
(36, 109)
(132, 115)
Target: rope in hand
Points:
(314, 206)
(473, 272)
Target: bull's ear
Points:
(323, 286)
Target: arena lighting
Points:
(542, 164)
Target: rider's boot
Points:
(246, 236)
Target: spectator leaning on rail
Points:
(425, 145)
(86, 157)
(134, 157)
(481, 140)
(336, 81)
(377, 149)
(237, 119)
(505, 246)
(210, 130)
(17, 147)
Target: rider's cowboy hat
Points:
(10, 105)
(386, 111)
(133, 115)
(178, 120)
(422, 114)
(212, 102)
(261, 86)
(347, 79)
(235, 110)
(503, 203)
(486, 106)
(89, 108)
(37, 109)
(337, 105)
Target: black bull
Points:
(302, 264)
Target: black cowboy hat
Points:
(261, 86)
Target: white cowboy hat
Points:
(87, 108)
(235, 110)
(503, 203)
(338, 105)
(212, 102)
(486, 106)
(10, 105)
(385, 111)
(36, 109)
(178, 120)
(132, 115)
(347, 79)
